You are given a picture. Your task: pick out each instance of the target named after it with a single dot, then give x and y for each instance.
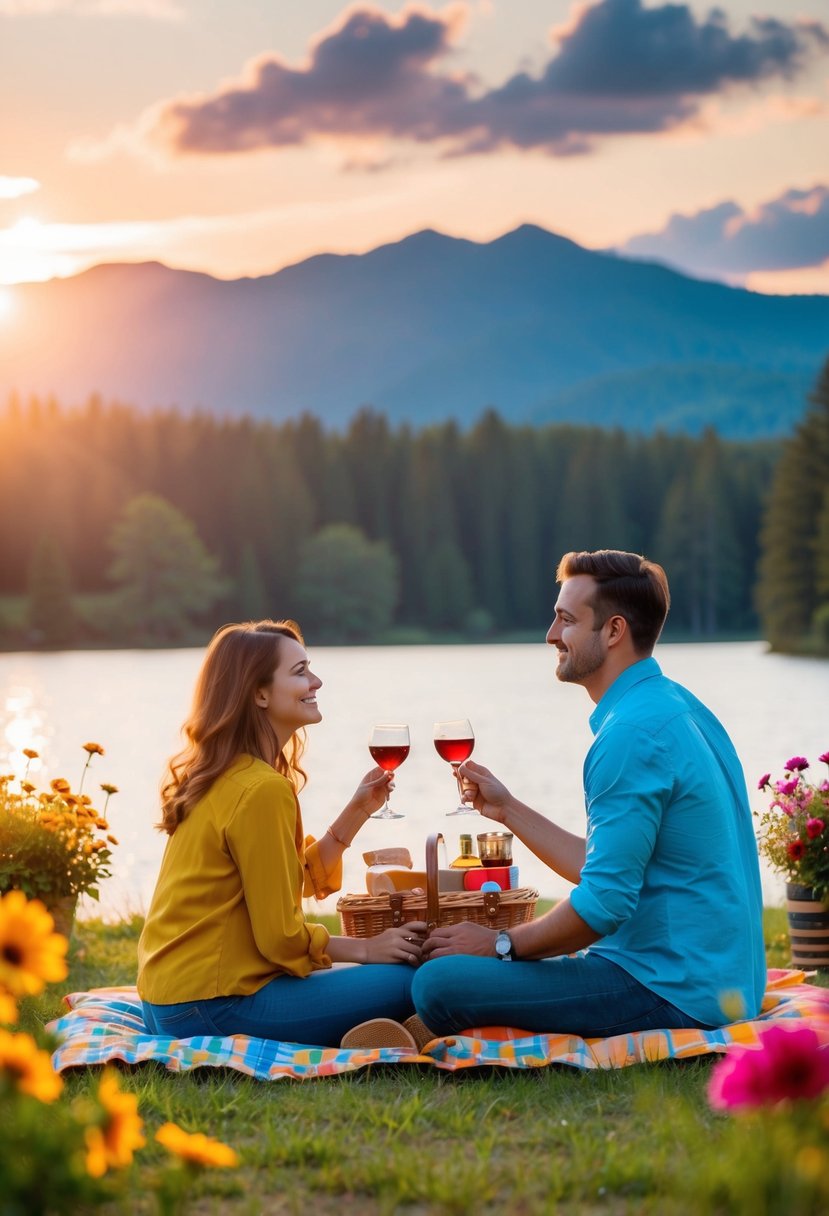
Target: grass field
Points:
(639, 1140)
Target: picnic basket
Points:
(368, 915)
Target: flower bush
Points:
(794, 830)
(774, 1150)
(70, 1156)
(53, 844)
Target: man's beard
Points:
(574, 668)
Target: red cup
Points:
(474, 879)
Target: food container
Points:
(495, 849)
(473, 880)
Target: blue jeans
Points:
(585, 994)
(317, 1010)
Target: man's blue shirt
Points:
(671, 878)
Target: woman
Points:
(226, 948)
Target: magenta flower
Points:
(788, 1065)
(824, 759)
(824, 787)
(796, 765)
(764, 780)
(814, 827)
(787, 787)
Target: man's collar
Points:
(644, 669)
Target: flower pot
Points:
(62, 911)
(808, 927)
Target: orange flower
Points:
(8, 1008)
(109, 789)
(112, 839)
(197, 1149)
(113, 1143)
(32, 955)
(94, 749)
(60, 785)
(27, 787)
(31, 1068)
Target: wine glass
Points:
(454, 742)
(389, 747)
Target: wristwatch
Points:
(503, 947)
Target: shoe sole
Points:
(378, 1032)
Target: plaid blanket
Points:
(106, 1024)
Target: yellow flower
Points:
(197, 1148)
(31, 1068)
(94, 749)
(8, 1008)
(113, 1143)
(31, 954)
(30, 753)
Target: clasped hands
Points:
(410, 943)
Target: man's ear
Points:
(617, 630)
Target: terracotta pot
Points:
(808, 927)
(62, 910)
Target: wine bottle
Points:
(467, 859)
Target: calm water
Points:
(531, 730)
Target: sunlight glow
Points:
(22, 726)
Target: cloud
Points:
(17, 187)
(370, 76)
(618, 67)
(156, 10)
(727, 241)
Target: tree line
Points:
(454, 531)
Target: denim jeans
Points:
(583, 994)
(316, 1011)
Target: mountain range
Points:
(429, 328)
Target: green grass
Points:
(383, 1141)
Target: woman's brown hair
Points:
(225, 721)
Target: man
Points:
(663, 928)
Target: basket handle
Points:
(432, 891)
(492, 899)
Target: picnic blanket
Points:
(106, 1024)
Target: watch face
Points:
(503, 945)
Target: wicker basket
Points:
(368, 915)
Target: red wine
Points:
(454, 750)
(388, 757)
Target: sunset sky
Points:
(238, 136)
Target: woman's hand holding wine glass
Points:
(389, 746)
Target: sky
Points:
(235, 137)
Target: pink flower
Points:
(787, 787)
(824, 759)
(788, 1065)
(814, 827)
(796, 764)
(824, 787)
(764, 780)
(796, 850)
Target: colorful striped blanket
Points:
(106, 1024)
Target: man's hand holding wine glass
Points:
(484, 791)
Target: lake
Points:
(530, 730)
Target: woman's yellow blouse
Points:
(226, 915)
